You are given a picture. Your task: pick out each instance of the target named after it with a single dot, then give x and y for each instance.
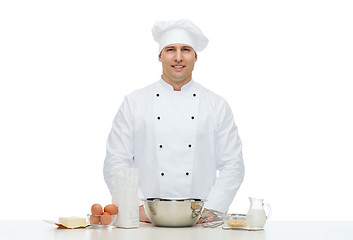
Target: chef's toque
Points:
(179, 31)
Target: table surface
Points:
(286, 230)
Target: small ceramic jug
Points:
(256, 217)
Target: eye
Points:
(170, 49)
(186, 50)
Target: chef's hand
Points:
(143, 215)
(206, 214)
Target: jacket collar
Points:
(187, 87)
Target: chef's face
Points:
(178, 62)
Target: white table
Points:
(273, 231)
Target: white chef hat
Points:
(179, 31)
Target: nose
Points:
(179, 56)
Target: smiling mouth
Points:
(178, 66)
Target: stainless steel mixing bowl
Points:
(173, 212)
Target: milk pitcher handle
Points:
(268, 209)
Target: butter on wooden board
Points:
(72, 222)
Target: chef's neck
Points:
(177, 85)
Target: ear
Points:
(160, 57)
(195, 56)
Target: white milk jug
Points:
(256, 217)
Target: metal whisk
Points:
(211, 218)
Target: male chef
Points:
(175, 131)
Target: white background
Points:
(285, 68)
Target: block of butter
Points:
(72, 222)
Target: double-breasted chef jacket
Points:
(178, 140)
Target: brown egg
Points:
(111, 209)
(93, 219)
(106, 219)
(96, 209)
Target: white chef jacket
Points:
(178, 140)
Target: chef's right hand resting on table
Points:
(143, 215)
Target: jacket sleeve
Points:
(120, 150)
(229, 161)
